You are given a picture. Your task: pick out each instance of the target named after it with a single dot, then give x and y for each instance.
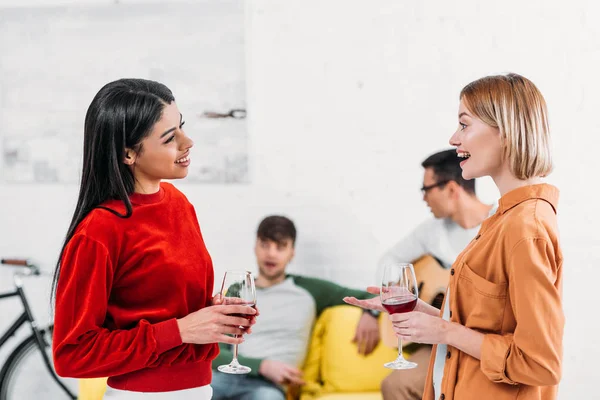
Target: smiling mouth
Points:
(464, 155)
(183, 160)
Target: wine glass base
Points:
(400, 364)
(234, 369)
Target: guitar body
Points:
(432, 280)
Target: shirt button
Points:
(450, 314)
(448, 355)
(452, 271)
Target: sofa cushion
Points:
(333, 363)
(92, 389)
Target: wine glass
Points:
(399, 294)
(238, 288)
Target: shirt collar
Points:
(542, 191)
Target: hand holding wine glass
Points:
(375, 303)
(399, 294)
(238, 289)
(213, 324)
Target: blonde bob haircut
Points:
(516, 107)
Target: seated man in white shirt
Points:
(457, 213)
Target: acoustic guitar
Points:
(432, 281)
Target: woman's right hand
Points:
(373, 303)
(212, 324)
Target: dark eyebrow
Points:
(167, 132)
(463, 114)
(172, 129)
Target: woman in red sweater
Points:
(134, 281)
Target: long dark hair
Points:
(120, 116)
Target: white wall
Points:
(345, 99)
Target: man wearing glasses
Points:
(457, 213)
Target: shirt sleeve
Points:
(328, 294)
(82, 348)
(407, 250)
(533, 354)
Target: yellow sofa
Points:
(333, 369)
(92, 389)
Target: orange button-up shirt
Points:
(507, 284)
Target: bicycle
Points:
(28, 370)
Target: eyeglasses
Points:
(426, 189)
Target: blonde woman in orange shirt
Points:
(499, 335)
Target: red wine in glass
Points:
(399, 294)
(247, 316)
(400, 304)
(238, 288)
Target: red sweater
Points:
(123, 283)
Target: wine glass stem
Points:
(400, 347)
(235, 354)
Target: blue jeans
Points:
(243, 387)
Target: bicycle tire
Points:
(16, 359)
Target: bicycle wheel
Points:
(25, 375)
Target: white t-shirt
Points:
(442, 238)
(440, 354)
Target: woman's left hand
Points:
(420, 327)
